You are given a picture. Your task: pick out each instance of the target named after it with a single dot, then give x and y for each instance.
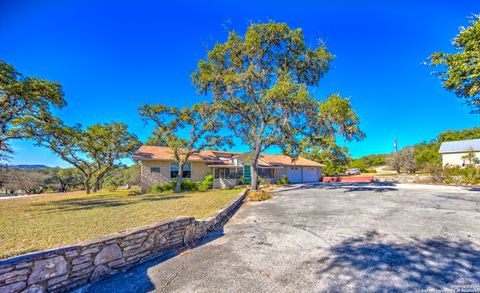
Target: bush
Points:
(468, 175)
(258, 195)
(187, 185)
(283, 180)
(156, 188)
(370, 171)
(206, 184)
(111, 188)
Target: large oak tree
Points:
(23, 97)
(94, 151)
(262, 81)
(461, 73)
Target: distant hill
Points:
(28, 167)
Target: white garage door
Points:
(294, 174)
(310, 174)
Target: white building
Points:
(454, 151)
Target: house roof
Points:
(215, 157)
(282, 160)
(459, 146)
(147, 152)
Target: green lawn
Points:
(48, 221)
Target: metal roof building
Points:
(459, 146)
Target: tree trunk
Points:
(256, 155)
(86, 184)
(254, 169)
(96, 187)
(178, 187)
(253, 172)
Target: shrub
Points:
(370, 171)
(283, 180)
(468, 175)
(206, 184)
(111, 188)
(156, 188)
(241, 180)
(261, 180)
(258, 195)
(188, 185)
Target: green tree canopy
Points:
(106, 144)
(334, 157)
(186, 131)
(262, 82)
(94, 151)
(23, 97)
(462, 69)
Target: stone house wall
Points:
(148, 178)
(70, 267)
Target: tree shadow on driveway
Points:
(99, 201)
(366, 264)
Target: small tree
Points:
(64, 179)
(471, 157)
(201, 122)
(404, 160)
(462, 74)
(261, 80)
(334, 157)
(22, 97)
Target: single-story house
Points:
(159, 166)
(454, 151)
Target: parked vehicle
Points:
(354, 171)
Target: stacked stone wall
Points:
(67, 268)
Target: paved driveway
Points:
(335, 238)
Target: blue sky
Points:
(112, 56)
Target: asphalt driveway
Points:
(333, 238)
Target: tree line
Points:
(57, 179)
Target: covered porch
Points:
(228, 176)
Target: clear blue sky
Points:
(112, 56)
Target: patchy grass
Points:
(48, 221)
(259, 195)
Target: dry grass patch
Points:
(48, 221)
(258, 195)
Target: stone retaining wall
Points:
(405, 179)
(66, 268)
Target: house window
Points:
(228, 173)
(265, 172)
(187, 170)
(155, 170)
